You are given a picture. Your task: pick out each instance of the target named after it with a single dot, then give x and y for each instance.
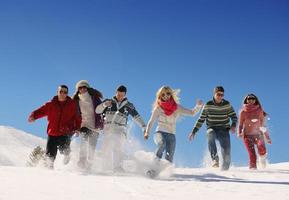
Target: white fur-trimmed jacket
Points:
(116, 116)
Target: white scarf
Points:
(87, 110)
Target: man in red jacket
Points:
(63, 120)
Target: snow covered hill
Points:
(16, 145)
(20, 183)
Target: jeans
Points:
(166, 142)
(223, 136)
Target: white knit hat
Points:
(81, 84)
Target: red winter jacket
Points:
(63, 117)
(251, 119)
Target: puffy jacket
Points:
(251, 120)
(63, 117)
(96, 100)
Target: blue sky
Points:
(189, 45)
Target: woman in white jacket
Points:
(166, 110)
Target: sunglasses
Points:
(220, 94)
(63, 92)
(82, 87)
(251, 98)
(166, 94)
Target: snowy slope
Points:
(15, 146)
(239, 183)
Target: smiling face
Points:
(82, 90)
(166, 95)
(62, 93)
(251, 100)
(218, 96)
(120, 96)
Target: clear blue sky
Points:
(190, 45)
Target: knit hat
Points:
(82, 83)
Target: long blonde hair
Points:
(164, 89)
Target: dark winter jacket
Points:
(62, 117)
(96, 100)
(116, 116)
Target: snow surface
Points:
(67, 182)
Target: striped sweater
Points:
(216, 115)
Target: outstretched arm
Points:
(199, 123)
(101, 107)
(153, 117)
(39, 113)
(136, 117)
(192, 112)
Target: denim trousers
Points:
(222, 135)
(166, 143)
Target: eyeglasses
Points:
(166, 94)
(251, 98)
(63, 92)
(82, 87)
(220, 94)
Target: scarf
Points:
(169, 107)
(251, 108)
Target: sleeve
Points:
(101, 107)
(241, 122)
(201, 120)
(76, 118)
(185, 111)
(233, 116)
(136, 117)
(154, 116)
(41, 112)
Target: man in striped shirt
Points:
(217, 114)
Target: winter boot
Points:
(215, 163)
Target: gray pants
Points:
(113, 150)
(88, 140)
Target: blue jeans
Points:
(223, 136)
(166, 142)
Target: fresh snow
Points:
(67, 182)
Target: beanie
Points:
(82, 83)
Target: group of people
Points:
(86, 114)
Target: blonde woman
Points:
(166, 110)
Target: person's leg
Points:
(64, 147)
(249, 143)
(51, 151)
(84, 134)
(92, 140)
(161, 144)
(106, 150)
(211, 136)
(224, 138)
(170, 147)
(261, 147)
(118, 152)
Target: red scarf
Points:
(169, 107)
(251, 108)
